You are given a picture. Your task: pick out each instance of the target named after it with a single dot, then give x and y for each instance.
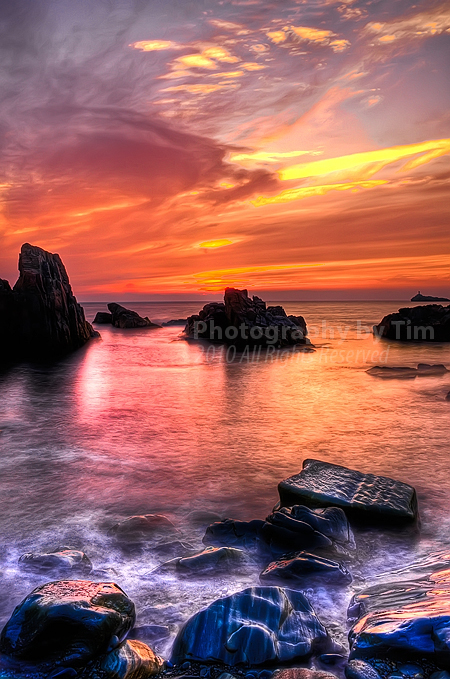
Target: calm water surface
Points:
(143, 421)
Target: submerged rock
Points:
(68, 623)
(403, 620)
(63, 560)
(40, 317)
(304, 565)
(422, 370)
(258, 625)
(243, 321)
(136, 529)
(103, 318)
(429, 323)
(231, 533)
(125, 318)
(212, 561)
(363, 496)
(299, 527)
(175, 322)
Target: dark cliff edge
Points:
(40, 318)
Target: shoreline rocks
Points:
(63, 560)
(302, 566)
(40, 317)
(428, 323)
(246, 322)
(362, 496)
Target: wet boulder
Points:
(256, 626)
(299, 527)
(403, 620)
(232, 533)
(141, 528)
(126, 318)
(68, 623)
(303, 566)
(365, 497)
(64, 560)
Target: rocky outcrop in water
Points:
(258, 625)
(246, 321)
(403, 620)
(428, 323)
(212, 561)
(74, 628)
(362, 496)
(126, 318)
(40, 317)
(103, 318)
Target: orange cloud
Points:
(365, 164)
(154, 45)
(277, 36)
(420, 25)
(219, 243)
(321, 37)
(308, 191)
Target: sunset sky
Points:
(298, 148)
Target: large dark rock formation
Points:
(403, 620)
(244, 321)
(74, 628)
(40, 317)
(126, 318)
(428, 323)
(258, 625)
(364, 496)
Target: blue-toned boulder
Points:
(408, 619)
(362, 496)
(304, 566)
(212, 561)
(256, 626)
(68, 623)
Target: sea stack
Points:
(40, 316)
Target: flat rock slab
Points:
(65, 560)
(364, 496)
(256, 626)
(409, 620)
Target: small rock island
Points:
(243, 321)
(428, 298)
